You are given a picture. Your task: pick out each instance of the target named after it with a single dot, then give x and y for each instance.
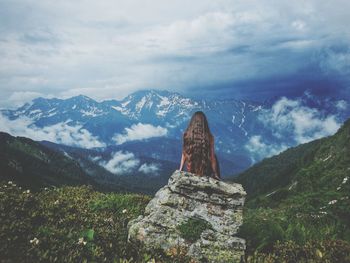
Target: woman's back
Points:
(197, 155)
(198, 147)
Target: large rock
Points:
(190, 198)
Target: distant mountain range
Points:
(150, 123)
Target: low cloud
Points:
(121, 163)
(151, 168)
(140, 131)
(19, 98)
(302, 123)
(260, 149)
(341, 105)
(290, 123)
(61, 133)
(95, 158)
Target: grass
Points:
(79, 224)
(192, 229)
(68, 224)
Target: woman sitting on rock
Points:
(198, 148)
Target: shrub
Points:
(192, 229)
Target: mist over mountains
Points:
(150, 123)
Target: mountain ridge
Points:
(37, 165)
(319, 165)
(238, 126)
(34, 165)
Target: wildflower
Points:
(10, 182)
(34, 241)
(124, 211)
(109, 220)
(81, 241)
(338, 188)
(46, 188)
(332, 202)
(56, 202)
(345, 180)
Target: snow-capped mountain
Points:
(151, 122)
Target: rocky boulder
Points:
(198, 216)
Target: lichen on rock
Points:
(189, 199)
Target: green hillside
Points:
(35, 166)
(321, 166)
(298, 201)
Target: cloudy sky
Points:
(236, 48)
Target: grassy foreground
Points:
(79, 224)
(68, 224)
(311, 227)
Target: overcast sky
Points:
(224, 48)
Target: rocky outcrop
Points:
(186, 205)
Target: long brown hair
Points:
(196, 145)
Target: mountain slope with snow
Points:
(244, 131)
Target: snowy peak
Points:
(155, 104)
(244, 131)
(39, 108)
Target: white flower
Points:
(124, 211)
(81, 241)
(56, 202)
(34, 241)
(332, 202)
(46, 188)
(338, 188)
(345, 180)
(10, 182)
